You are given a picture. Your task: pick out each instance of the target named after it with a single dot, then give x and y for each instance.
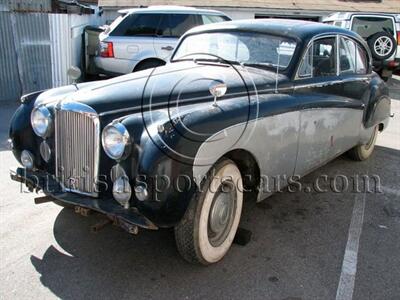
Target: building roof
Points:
(169, 9)
(392, 6)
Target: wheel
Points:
(206, 232)
(362, 152)
(382, 45)
(148, 64)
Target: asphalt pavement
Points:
(302, 246)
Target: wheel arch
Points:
(377, 109)
(249, 169)
(148, 60)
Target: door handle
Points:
(168, 48)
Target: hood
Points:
(173, 84)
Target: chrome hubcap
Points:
(221, 214)
(383, 45)
(371, 140)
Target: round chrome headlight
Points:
(41, 121)
(116, 141)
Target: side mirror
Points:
(74, 73)
(217, 90)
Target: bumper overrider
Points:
(128, 219)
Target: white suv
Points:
(143, 38)
(381, 32)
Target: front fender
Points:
(166, 143)
(151, 164)
(21, 132)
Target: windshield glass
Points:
(243, 47)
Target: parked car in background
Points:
(382, 33)
(186, 143)
(144, 38)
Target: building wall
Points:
(10, 84)
(37, 49)
(111, 14)
(314, 10)
(26, 5)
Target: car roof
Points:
(296, 29)
(169, 9)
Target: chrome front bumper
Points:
(39, 180)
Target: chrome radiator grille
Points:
(77, 148)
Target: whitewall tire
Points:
(207, 230)
(362, 152)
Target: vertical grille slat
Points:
(77, 141)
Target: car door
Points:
(354, 73)
(170, 29)
(329, 122)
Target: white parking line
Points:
(349, 266)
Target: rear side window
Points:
(180, 23)
(361, 61)
(166, 25)
(347, 56)
(368, 26)
(208, 19)
(174, 25)
(138, 25)
(353, 59)
(164, 28)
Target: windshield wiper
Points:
(217, 59)
(259, 65)
(201, 58)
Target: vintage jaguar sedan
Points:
(240, 106)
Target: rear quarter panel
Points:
(377, 109)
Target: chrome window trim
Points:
(337, 55)
(337, 35)
(356, 45)
(302, 60)
(310, 43)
